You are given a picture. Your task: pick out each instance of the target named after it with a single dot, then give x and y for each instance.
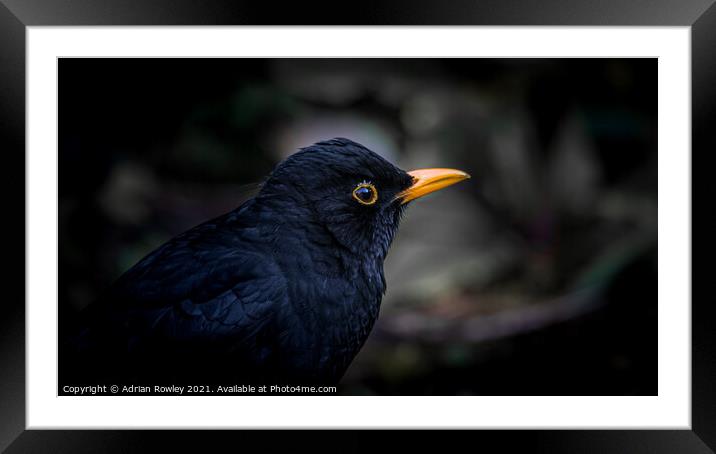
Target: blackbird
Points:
(283, 289)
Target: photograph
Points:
(357, 226)
(473, 220)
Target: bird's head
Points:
(354, 194)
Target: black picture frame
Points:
(16, 15)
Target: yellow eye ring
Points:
(365, 193)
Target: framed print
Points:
(372, 225)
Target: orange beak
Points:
(426, 181)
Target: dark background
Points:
(538, 276)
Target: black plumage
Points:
(284, 289)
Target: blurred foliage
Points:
(536, 277)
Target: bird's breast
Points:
(329, 317)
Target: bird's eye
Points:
(365, 193)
